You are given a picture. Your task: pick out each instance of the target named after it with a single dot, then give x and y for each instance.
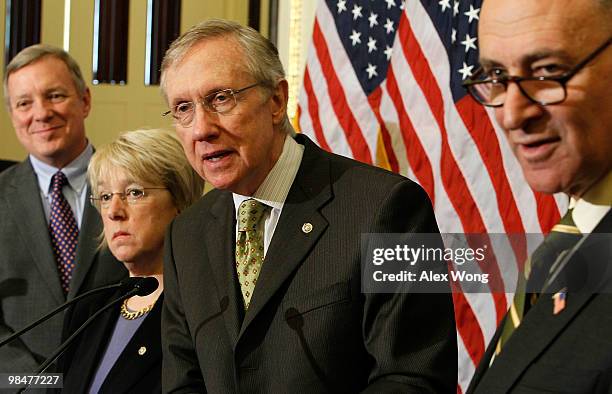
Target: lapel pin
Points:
(559, 300)
(306, 228)
(142, 350)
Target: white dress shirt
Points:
(275, 188)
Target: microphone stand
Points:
(56, 311)
(72, 337)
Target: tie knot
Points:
(566, 224)
(250, 213)
(58, 181)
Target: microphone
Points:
(124, 285)
(141, 286)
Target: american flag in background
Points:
(383, 85)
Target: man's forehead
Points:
(537, 26)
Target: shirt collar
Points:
(274, 189)
(593, 205)
(75, 171)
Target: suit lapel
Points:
(540, 327)
(220, 239)
(87, 358)
(131, 365)
(310, 190)
(91, 226)
(26, 207)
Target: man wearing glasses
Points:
(262, 276)
(546, 72)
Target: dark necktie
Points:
(63, 230)
(562, 237)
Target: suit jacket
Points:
(309, 328)
(570, 352)
(4, 164)
(134, 372)
(29, 278)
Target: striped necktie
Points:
(63, 230)
(562, 237)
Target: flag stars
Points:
(444, 4)
(389, 26)
(373, 19)
(388, 51)
(472, 14)
(454, 36)
(371, 45)
(390, 3)
(469, 43)
(357, 12)
(341, 6)
(465, 71)
(355, 38)
(456, 8)
(371, 70)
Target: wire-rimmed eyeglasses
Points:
(133, 195)
(491, 91)
(220, 102)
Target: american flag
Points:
(382, 84)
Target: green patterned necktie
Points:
(249, 246)
(562, 237)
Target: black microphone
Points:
(126, 284)
(141, 286)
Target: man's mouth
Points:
(45, 129)
(215, 156)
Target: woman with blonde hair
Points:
(140, 182)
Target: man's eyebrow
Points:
(528, 59)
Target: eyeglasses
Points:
(219, 102)
(133, 195)
(491, 92)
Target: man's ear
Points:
(86, 102)
(278, 101)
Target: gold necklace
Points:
(126, 314)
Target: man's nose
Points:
(42, 110)
(517, 110)
(206, 125)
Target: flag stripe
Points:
(313, 110)
(351, 129)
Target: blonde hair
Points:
(260, 55)
(153, 156)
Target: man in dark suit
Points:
(546, 70)
(44, 205)
(262, 276)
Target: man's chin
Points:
(543, 181)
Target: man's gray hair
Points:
(36, 52)
(261, 56)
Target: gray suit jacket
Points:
(570, 352)
(309, 328)
(29, 279)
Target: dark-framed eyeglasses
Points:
(219, 102)
(491, 91)
(133, 195)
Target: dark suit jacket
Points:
(133, 372)
(29, 279)
(309, 328)
(570, 352)
(4, 164)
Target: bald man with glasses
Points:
(546, 72)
